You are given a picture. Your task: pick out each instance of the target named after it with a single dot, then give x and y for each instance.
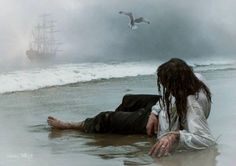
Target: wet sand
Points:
(26, 139)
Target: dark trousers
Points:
(130, 117)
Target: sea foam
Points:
(70, 73)
(37, 78)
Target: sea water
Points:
(41, 77)
(26, 139)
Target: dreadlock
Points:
(178, 80)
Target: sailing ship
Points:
(43, 45)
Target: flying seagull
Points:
(133, 21)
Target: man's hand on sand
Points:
(163, 145)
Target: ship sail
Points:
(43, 45)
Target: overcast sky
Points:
(92, 30)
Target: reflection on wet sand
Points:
(203, 157)
(133, 149)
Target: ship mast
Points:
(43, 43)
(45, 34)
(51, 40)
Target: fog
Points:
(92, 30)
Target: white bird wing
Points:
(131, 17)
(141, 19)
(138, 20)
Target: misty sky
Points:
(92, 30)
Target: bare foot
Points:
(56, 123)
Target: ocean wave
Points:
(70, 73)
(214, 66)
(33, 79)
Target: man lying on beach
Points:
(180, 114)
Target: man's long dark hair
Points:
(178, 80)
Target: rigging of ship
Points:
(43, 45)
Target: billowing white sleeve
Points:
(164, 126)
(156, 109)
(196, 134)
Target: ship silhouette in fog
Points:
(43, 45)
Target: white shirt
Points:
(196, 133)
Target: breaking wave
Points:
(37, 78)
(205, 67)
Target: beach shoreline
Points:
(28, 140)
